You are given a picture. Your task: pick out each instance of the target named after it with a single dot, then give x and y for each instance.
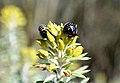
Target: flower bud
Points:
(40, 66)
(78, 51)
(50, 37)
(61, 25)
(41, 42)
(74, 39)
(67, 73)
(58, 28)
(61, 44)
(51, 67)
(69, 51)
(60, 33)
(43, 54)
(52, 28)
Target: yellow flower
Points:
(42, 43)
(50, 37)
(51, 67)
(78, 51)
(69, 51)
(59, 34)
(30, 54)
(58, 28)
(61, 25)
(52, 28)
(43, 54)
(67, 73)
(74, 39)
(12, 15)
(61, 44)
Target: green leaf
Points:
(76, 44)
(49, 78)
(78, 75)
(82, 68)
(53, 61)
(81, 57)
(85, 58)
(84, 54)
(85, 71)
(79, 72)
(66, 65)
(69, 79)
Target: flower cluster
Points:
(59, 50)
(12, 14)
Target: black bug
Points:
(43, 30)
(70, 29)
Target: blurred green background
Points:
(99, 32)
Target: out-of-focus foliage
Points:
(13, 41)
(28, 54)
(12, 15)
(99, 24)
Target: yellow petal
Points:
(51, 67)
(69, 51)
(52, 29)
(41, 42)
(43, 53)
(50, 37)
(78, 51)
(58, 28)
(61, 44)
(61, 25)
(74, 40)
(50, 23)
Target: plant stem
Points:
(14, 55)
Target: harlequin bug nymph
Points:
(70, 29)
(42, 30)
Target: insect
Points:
(70, 29)
(43, 30)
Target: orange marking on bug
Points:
(68, 28)
(73, 32)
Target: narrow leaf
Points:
(49, 78)
(66, 65)
(78, 75)
(84, 54)
(81, 57)
(85, 80)
(53, 61)
(81, 70)
(85, 58)
(85, 71)
(76, 44)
